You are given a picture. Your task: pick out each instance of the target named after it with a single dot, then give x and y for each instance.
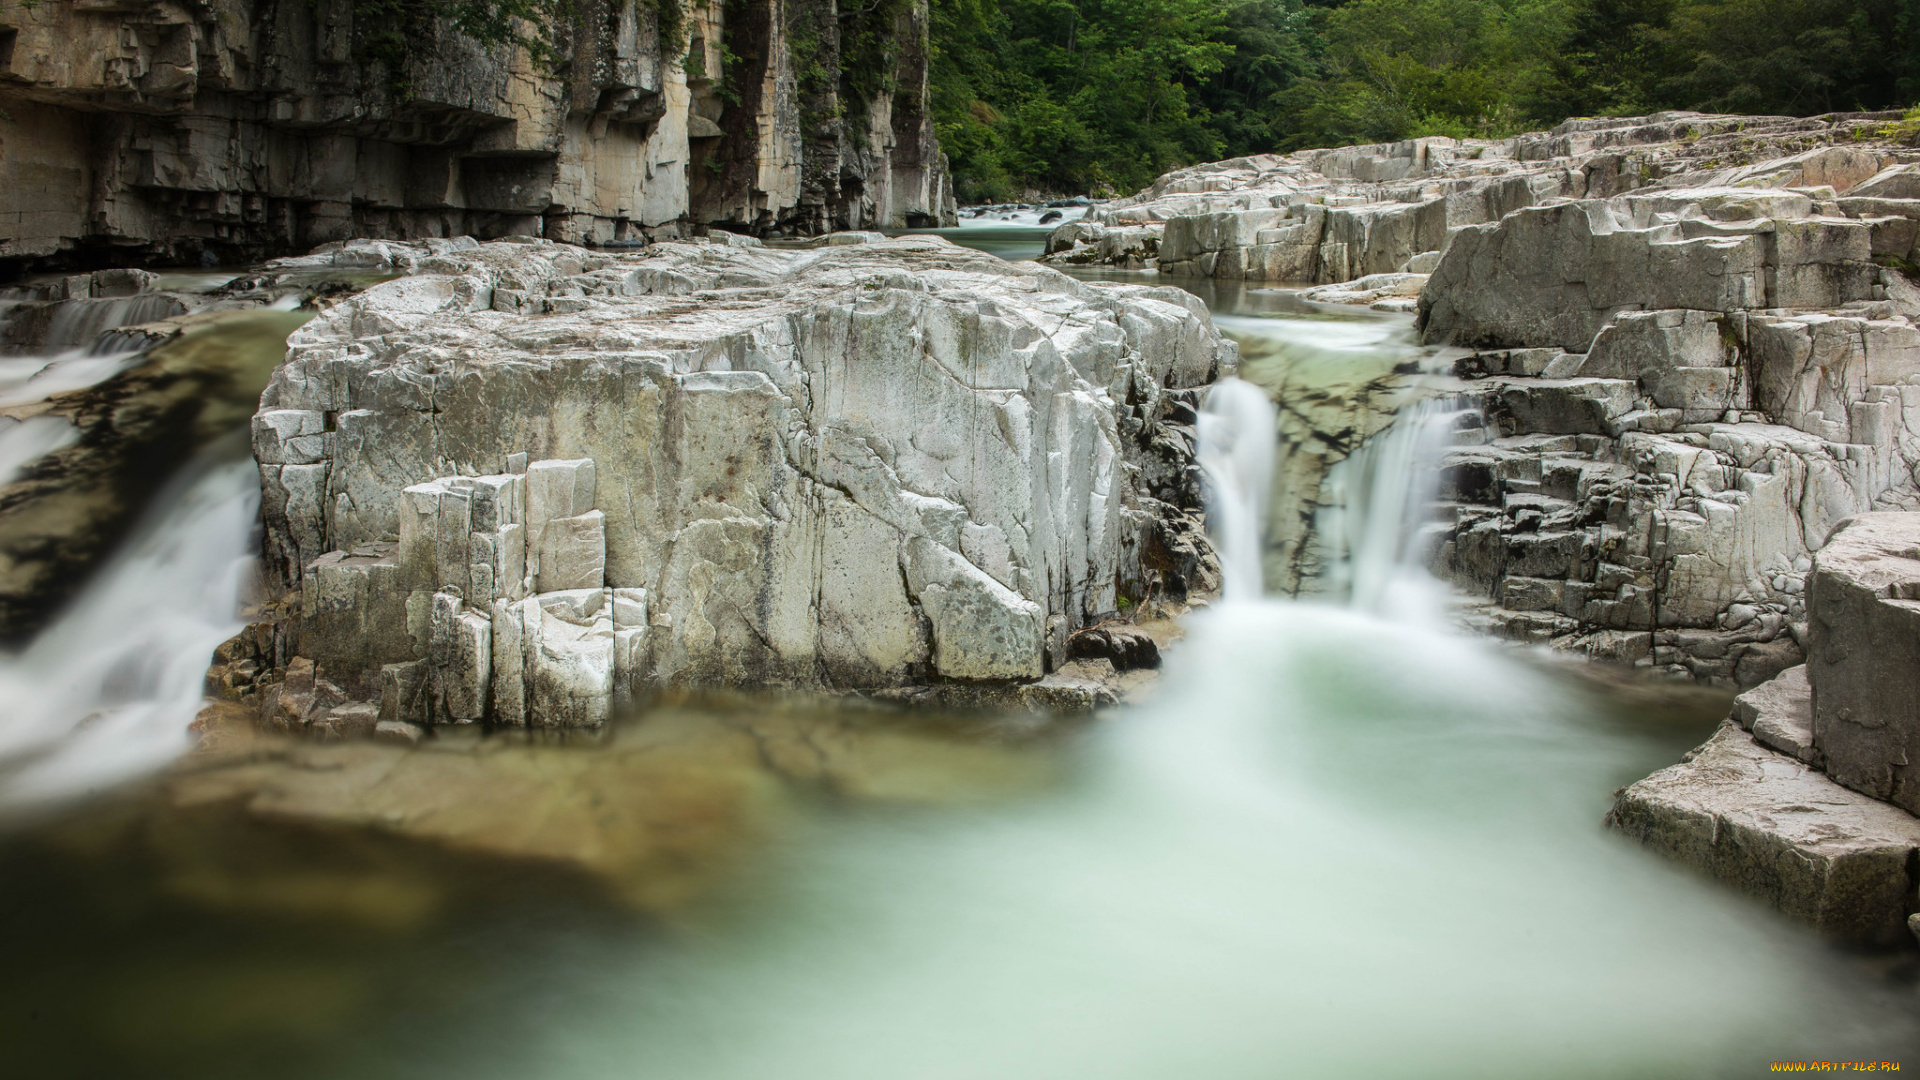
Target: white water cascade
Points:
(1236, 452)
(1378, 498)
(107, 691)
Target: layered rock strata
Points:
(1803, 799)
(527, 481)
(1685, 389)
(1328, 216)
(171, 130)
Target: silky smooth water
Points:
(1335, 842)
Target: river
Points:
(1340, 838)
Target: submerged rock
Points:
(526, 482)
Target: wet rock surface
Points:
(527, 481)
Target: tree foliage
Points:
(1038, 96)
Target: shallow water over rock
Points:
(1331, 840)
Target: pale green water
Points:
(1334, 844)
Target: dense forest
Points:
(1075, 96)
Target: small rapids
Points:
(106, 692)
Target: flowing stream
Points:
(1340, 839)
(106, 691)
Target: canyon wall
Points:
(226, 130)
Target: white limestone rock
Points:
(853, 466)
(1776, 828)
(1864, 608)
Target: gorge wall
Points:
(227, 130)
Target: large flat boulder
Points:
(1776, 828)
(528, 480)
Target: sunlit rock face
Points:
(527, 480)
(236, 129)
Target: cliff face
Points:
(231, 129)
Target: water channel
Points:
(1339, 838)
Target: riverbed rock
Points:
(1864, 605)
(181, 128)
(1329, 216)
(1776, 828)
(1814, 811)
(1737, 372)
(548, 479)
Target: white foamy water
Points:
(1237, 451)
(1335, 843)
(27, 379)
(1024, 217)
(106, 692)
(1377, 500)
(23, 442)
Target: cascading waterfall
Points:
(77, 324)
(1378, 498)
(107, 691)
(23, 442)
(1236, 454)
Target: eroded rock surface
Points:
(1327, 216)
(245, 128)
(1864, 596)
(1814, 810)
(1689, 380)
(1776, 828)
(527, 481)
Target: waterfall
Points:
(77, 324)
(25, 441)
(106, 692)
(1377, 501)
(1237, 448)
(25, 379)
